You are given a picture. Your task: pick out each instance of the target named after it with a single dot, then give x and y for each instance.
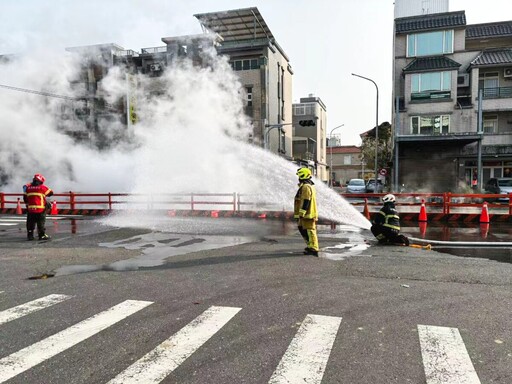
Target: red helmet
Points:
(39, 177)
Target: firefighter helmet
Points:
(39, 177)
(389, 198)
(304, 173)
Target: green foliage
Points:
(385, 147)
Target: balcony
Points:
(153, 50)
(497, 99)
(497, 93)
(430, 96)
(431, 136)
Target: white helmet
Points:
(389, 198)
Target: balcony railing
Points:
(430, 95)
(497, 93)
(154, 50)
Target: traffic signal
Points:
(307, 123)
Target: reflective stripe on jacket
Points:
(388, 217)
(35, 197)
(305, 202)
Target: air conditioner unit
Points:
(463, 80)
(507, 72)
(155, 67)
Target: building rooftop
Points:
(344, 149)
(431, 63)
(236, 24)
(498, 29)
(493, 57)
(430, 21)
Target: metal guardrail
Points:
(444, 202)
(110, 201)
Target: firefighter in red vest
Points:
(34, 196)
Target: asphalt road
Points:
(180, 304)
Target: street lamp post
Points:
(330, 138)
(268, 128)
(376, 125)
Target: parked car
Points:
(370, 186)
(499, 185)
(356, 186)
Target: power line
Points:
(48, 94)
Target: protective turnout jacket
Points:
(35, 197)
(388, 217)
(305, 201)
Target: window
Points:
(244, 65)
(248, 91)
(430, 125)
(430, 43)
(490, 124)
(299, 109)
(347, 159)
(304, 109)
(489, 82)
(431, 85)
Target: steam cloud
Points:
(191, 136)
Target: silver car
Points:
(356, 186)
(501, 185)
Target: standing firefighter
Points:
(34, 196)
(386, 226)
(305, 211)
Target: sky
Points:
(325, 40)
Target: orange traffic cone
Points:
(18, 208)
(54, 210)
(423, 212)
(366, 212)
(484, 216)
(423, 228)
(484, 230)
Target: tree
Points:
(384, 150)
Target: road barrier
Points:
(440, 206)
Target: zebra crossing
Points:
(10, 221)
(443, 353)
(7, 221)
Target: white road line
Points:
(445, 358)
(34, 354)
(7, 224)
(165, 358)
(306, 357)
(32, 306)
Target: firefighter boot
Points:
(44, 237)
(30, 235)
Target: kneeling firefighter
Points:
(386, 225)
(305, 211)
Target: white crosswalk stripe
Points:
(157, 364)
(35, 354)
(8, 221)
(306, 357)
(443, 353)
(32, 306)
(445, 358)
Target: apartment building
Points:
(441, 65)
(262, 66)
(309, 135)
(346, 163)
(263, 69)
